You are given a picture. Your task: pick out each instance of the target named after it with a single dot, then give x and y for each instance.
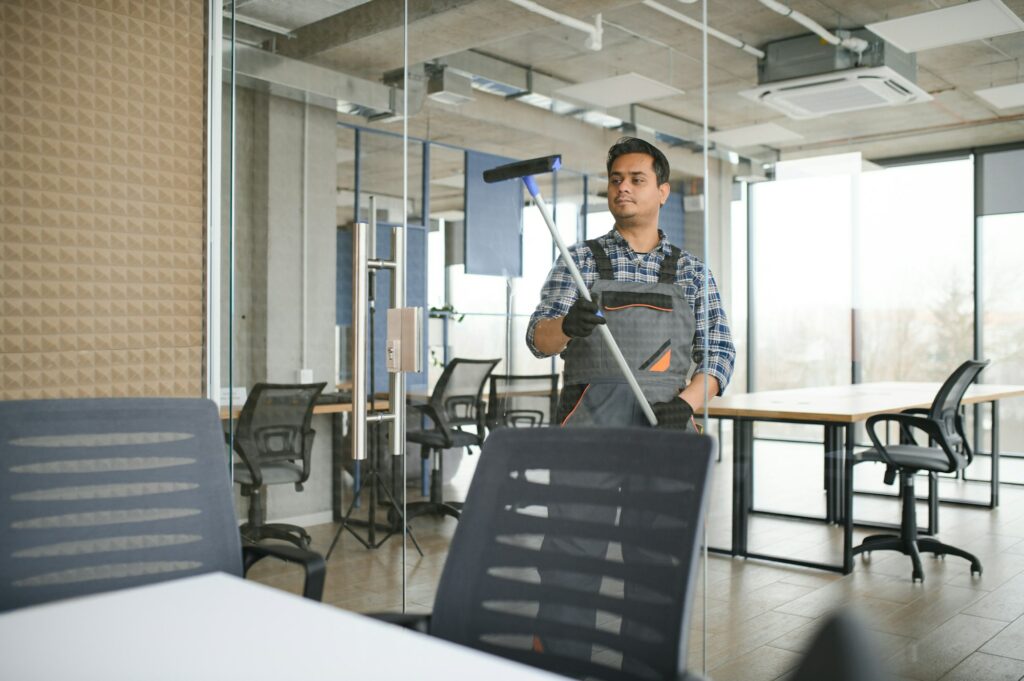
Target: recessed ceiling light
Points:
(949, 26)
(618, 90)
(748, 136)
(1004, 96)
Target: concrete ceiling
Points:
(364, 39)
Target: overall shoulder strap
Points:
(604, 263)
(669, 266)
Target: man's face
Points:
(634, 196)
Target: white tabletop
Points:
(220, 627)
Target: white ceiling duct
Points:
(593, 32)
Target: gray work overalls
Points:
(654, 327)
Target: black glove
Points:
(676, 413)
(582, 319)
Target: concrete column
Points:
(285, 232)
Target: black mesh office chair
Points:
(620, 608)
(274, 440)
(454, 404)
(948, 452)
(525, 401)
(105, 494)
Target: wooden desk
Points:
(334, 408)
(837, 409)
(203, 628)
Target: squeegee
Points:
(525, 170)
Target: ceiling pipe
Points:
(679, 16)
(857, 45)
(593, 31)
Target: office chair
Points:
(274, 440)
(623, 608)
(948, 454)
(105, 494)
(454, 403)
(525, 401)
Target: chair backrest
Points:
(458, 392)
(103, 494)
(524, 401)
(945, 410)
(636, 496)
(275, 424)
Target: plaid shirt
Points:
(559, 293)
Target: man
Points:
(651, 295)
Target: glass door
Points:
(293, 180)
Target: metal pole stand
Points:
(404, 330)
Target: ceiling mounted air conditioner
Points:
(838, 92)
(805, 77)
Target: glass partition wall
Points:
(294, 181)
(299, 168)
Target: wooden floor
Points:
(759, 615)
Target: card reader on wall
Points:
(402, 349)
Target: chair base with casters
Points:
(910, 542)
(436, 504)
(256, 530)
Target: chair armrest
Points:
(312, 562)
(439, 420)
(906, 421)
(407, 620)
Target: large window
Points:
(915, 266)
(802, 282)
(863, 277)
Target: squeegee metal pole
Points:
(606, 334)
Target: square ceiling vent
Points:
(838, 92)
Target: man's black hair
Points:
(633, 145)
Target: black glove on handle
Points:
(582, 319)
(676, 413)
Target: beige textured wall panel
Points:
(101, 197)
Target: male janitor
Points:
(652, 296)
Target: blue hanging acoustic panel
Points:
(494, 220)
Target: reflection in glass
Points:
(1002, 239)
